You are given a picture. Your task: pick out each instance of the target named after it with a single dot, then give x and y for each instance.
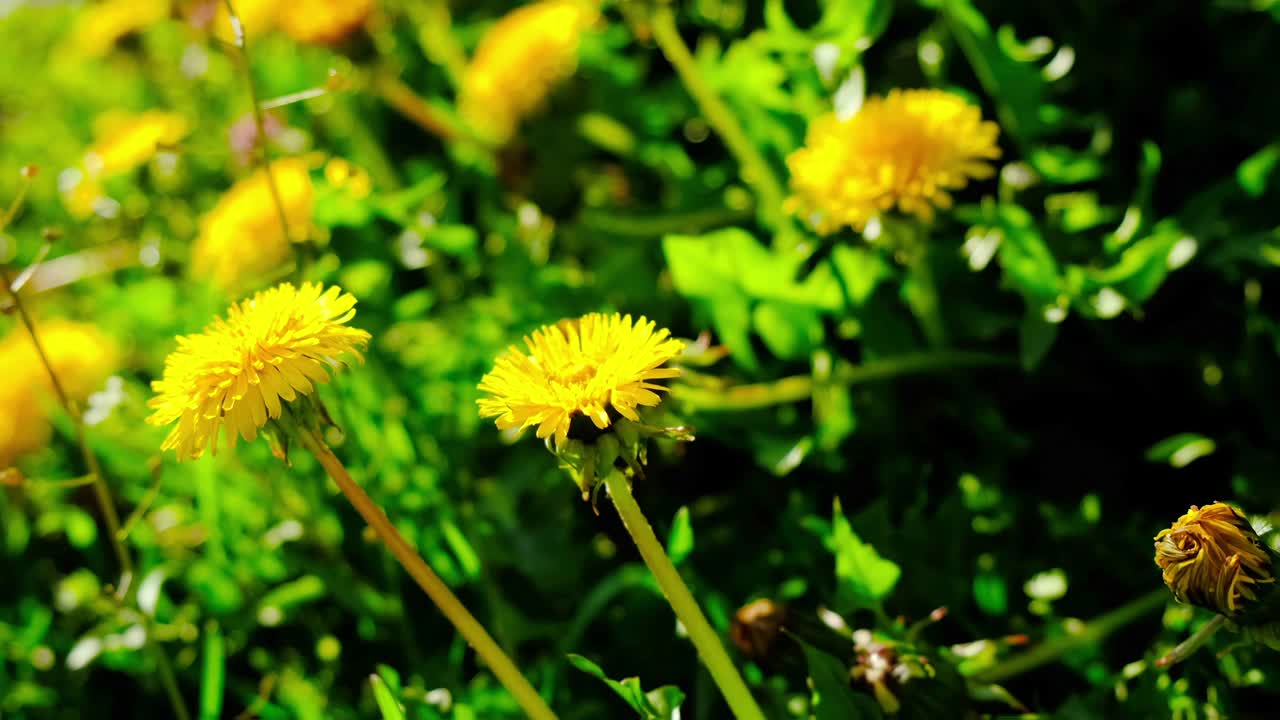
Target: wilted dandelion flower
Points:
(240, 371)
(323, 22)
(242, 238)
(519, 61)
(101, 25)
(905, 150)
(125, 141)
(81, 356)
(596, 367)
(1211, 557)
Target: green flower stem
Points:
(437, 39)
(1094, 631)
(650, 225)
(801, 387)
(448, 603)
(704, 638)
(1187, 648)
(923, 297)
(259, 121)
(101, 493)
(756, 171)
(414, 108)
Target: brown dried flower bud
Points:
(756, 627)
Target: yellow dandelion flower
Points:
(102, 25)
(242, 239)
(125, 141)
(351, 178)
(1211, 557)
(81, 194)
(585, 367)
(81, 356)
(257, 17)
(23, 426)
(905, 150)
(323, 22)
(269, 350)
(519, 61)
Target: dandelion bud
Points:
(1211, 557)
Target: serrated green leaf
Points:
(660, 704)
(865, 578)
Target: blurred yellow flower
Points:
(270, 348)
(349, 177)
(257, 17)
(519, 61)
(101, 25)
(242, 239)
(323, 22)
(123, 141)
(1211, 557)
(81, 356)
(905, 150)
(584, 367)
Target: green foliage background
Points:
(1119, 270)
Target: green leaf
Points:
(1017, 86)
(213, 673)
(388, 706)
(1182, 449)
(990, 593)
(865, 578)
(833, 699)
(1036, 336)
(1254, 174)
(660, 704)
(1064, 165)
(336, 207)
(844, 23)
(789, 331)
(680, 540)
(708, 266)
(1028, 264)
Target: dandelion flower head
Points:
(323, 22)
(1211, 557)
(126, 141)
(257, 17)
(81, 356)
(585, 367)
(519, 62)
(239, 372)
(242, 239)
(101, 25)
(907, 150)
